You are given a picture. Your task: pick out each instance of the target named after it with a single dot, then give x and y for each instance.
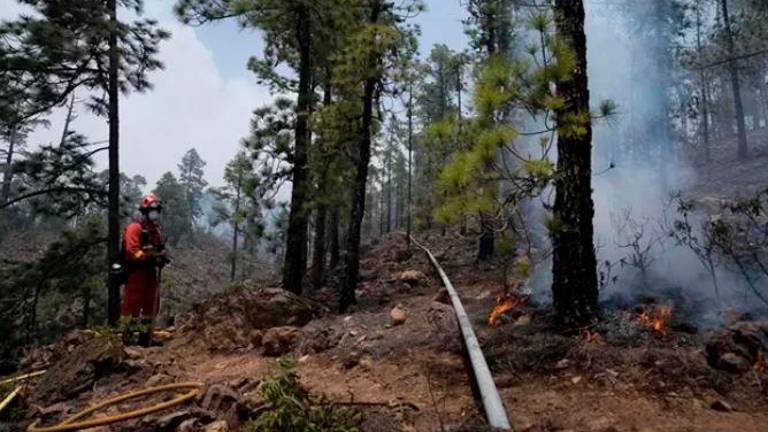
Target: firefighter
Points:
(144, 257)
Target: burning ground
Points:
(397, 359)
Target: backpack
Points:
(119, 270)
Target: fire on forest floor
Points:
(642, 368)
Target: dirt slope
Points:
(411, 376)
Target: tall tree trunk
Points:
(703, 84)
(733, 70)
(352, 259)
(334, 243)
(574, 285)
(389, 195)
(410, 163)
(381, 209)
(236, 227)
(113, 231)
(8, 170)
(296, 242)
(318, 254)
(485, 245)
(460, 115)
(321, 223)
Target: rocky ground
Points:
(397, 359)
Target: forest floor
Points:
(639, 370)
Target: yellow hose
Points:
(22, 377)
(12, 395)
(72, 424)
(9, 398)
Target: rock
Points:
(217, 426)
(411, 277)
(734, 363)
(736, 349)
(397, 316)
(523, 320)
(171, 421)
(321, 340)
(721, 405)
(280, 340)
(563, 364)
(442, 296)
(255, 338)
(188, 425)
(158, 379)
(483, 295)
(366, 364)
(350, 360)
(229, 319)
(219, 398)
(78, 370)
(575, 380)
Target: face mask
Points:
(153, 215)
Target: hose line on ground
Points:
(12, 395)
(72, 423)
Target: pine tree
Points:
(237, 205)
(735, 83)
(574, 270)
(359, 74)
(78, 43)
(192, 177)
(177, 216)
(292, 32)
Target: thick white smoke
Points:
(636, 173)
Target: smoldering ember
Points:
(370, 215)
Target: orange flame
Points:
(760, 362)
(503, 305)
(656, 319)
(591, 337)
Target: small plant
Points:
(131, 328)
(294, 411)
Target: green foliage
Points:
(67, 272)
(45, 56)
(192, 179)
(58, 179)
(294, 411)
(177, 216)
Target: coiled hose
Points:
(75, 422)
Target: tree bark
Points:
(703, 84)
(8, 173)
(113, 217)
(352, 259)
(485, 245)
(389, 194)
(334, 243)
(410, 163)
(236, 228)
(574, 286)
(733, 70)
(296, 243)
(321, 223)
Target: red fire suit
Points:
(143, 243)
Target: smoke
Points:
(637, 173)
(629, 62)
